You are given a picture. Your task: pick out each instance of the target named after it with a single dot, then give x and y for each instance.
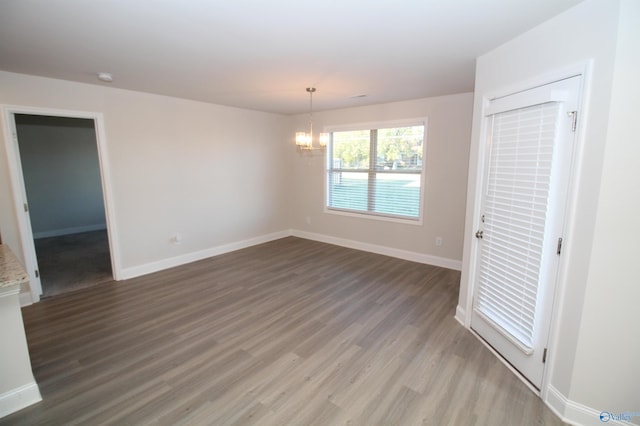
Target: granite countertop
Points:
(11, 270)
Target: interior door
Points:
(22, 207)
(526, 174)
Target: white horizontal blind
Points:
(377, 171)
(516, 199)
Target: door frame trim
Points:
(18, 188)
(463, 313)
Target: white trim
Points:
(107, 193)
(575, 413)
(17, 182)
(361, 214)
(10, 290)
(148, 268)
(19, 398)
(579, 414)
(540, 80)
(151, 267)
(18, 198)
(69, 231)
(383, 124)
(461, 315)
(560, 299)
(510, 103)
(378, 249)
(372, 216)
(556, 402)
(25, 299)
(476, 205)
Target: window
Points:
(377, 171)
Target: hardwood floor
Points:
(288, 332)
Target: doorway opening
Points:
(59, 174)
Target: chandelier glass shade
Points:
(304, 140)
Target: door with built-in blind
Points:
(529, 145)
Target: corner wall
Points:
(606, 375)
(217, 175)
(447, 140)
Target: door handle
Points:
(479, 234)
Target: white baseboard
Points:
(378, 249)
(461, 315)
(148, 268)
(574, 413)
(25, 298)
(19, 398)
(69, 231)
(568, 411)
(171, 262)
(556, 401)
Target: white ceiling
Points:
(261, 54)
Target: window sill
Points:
(370, 216)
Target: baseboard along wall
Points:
(69, 231)
(148, 268)
(19, 398)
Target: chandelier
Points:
(304, 140)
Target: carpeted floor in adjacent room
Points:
(72, 262)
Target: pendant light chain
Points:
(311, 90)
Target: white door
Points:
(21, 206)
(529, 139)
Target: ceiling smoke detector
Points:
(105, 76)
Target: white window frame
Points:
(422, 121)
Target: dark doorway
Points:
(61, 170)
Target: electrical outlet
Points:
(438, 241)
(177, 238)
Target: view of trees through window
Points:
(390, 185)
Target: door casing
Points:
(19, 192)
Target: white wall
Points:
(447, 140)
(61, 172)
(215, 174)
(587, 32)
(607, 365)
(220, 175)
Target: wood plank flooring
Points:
(291, 332)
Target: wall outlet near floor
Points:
(177, 238)
(438, 241)
(308, 220)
